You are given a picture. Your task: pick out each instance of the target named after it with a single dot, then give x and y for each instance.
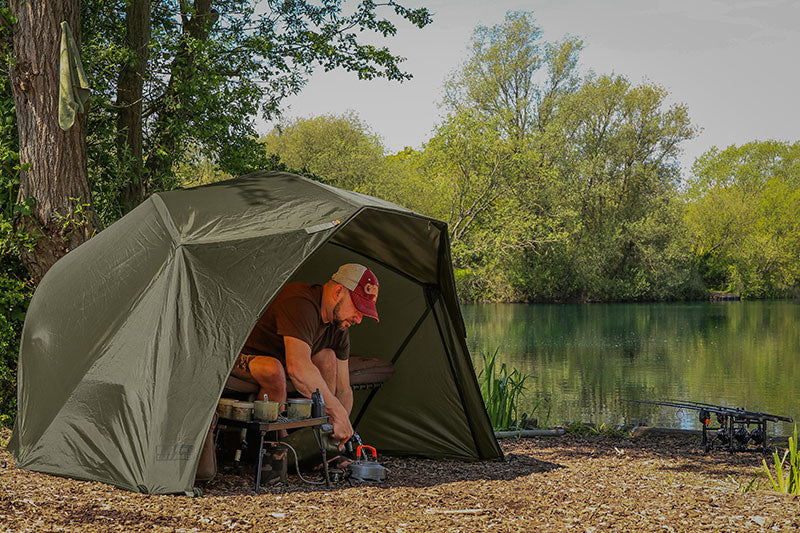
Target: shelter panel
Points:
(419, 410)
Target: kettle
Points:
(367, 469)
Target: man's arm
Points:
(343, 390)
(306, 378)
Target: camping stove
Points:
(367, 469)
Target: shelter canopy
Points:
(129, 338)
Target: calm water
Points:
(584, 359)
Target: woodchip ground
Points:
(568, 483)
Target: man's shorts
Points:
(242, 365)
(243, 362)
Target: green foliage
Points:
(787, 473)
(743, 217)
(501, 391)
(469, 284)
(339, 150)
(15, 290)
(199, 169)
(578, 428)
(554, 187)
(473, 168)
(613, 150)
(212, 68)
(210, 73)
(14, 298)
(501, 77)
(598, 430)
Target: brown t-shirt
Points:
(295, 312)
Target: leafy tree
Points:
(743, 212)
(748, 167)
(53, 183)
(168, 78)
(468, 154)
(175, 89)
(483, 153)
(339, 150)
(613, 147)
(512, 76)
(557, 186)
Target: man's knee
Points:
(268, 371)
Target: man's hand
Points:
(342, 428)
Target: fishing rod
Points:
(732, 410)
(733, 432)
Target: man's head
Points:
(358, 297)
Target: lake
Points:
(584, 360)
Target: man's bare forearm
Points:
(346, 398)
(307, 379)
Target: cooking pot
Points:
(266, 410)
(298, 408)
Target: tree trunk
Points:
(62, 216)
(129, 101)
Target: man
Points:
(304, 334)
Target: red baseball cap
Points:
(363, 287)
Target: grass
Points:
(602, 429)
(502, 389)
(787, 473)
(754, 485)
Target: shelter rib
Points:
(384, 265)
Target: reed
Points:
(501, 389)
(787, 473)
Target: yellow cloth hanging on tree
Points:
(73, 87)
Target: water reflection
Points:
(585, 359)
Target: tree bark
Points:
(62, 217)
(129, 101)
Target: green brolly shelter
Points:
(130, 337)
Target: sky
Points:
(734, 63)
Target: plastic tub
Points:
(242, 411)
(225, 407)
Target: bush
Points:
(469, 285)
(15, 296)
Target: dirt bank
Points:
(550, 483)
